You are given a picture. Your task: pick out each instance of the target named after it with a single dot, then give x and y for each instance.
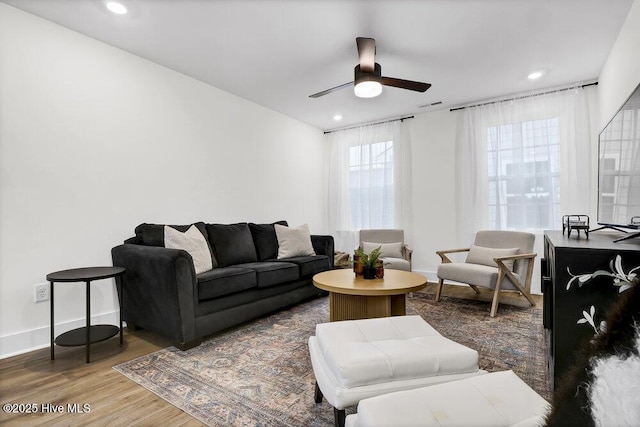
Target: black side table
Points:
(89, 334)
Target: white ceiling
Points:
(278, 52)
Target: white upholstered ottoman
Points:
(499, 399)
(357, 359)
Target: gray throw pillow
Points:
(293, 242)
(485, 256)
(153, 235)
(387, 250)
(192, 241)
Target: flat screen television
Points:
(619, 169)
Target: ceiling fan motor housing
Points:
(363, 76)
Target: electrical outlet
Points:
(41, 292)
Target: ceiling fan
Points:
(368, 79)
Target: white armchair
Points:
(395, 254)
(498, 260)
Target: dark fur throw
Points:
(604, 389)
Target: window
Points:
(369, 181)
(371, 185)
(524, 180)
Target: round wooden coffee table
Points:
(352, 297)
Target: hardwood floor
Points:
(113, 399)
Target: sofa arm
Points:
(159, 290)
(323, 245)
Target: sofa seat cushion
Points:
(309, 265)
(273, 273)
(496, 399)
(374, 351)
(225, 281)
(473, 274)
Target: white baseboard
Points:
(35, 339)
(430, 275)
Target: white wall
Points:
(621, 72)
(94, 141)
(433, 138)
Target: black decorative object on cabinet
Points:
(575, 299)
(575, 222)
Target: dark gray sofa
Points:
(161, 292)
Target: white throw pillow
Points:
(191, 241)
(387, 250)
(293, 241)
(485, 256)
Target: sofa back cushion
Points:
(265, 239)
(153, 235)
(232, 243)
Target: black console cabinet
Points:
(566, 256)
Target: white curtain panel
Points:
(567, 111)
(369, 181)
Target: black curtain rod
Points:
(370, 124)
(522, 97)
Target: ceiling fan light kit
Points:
(368, 79)
(367, 85)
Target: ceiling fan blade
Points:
(405, 84)
(366, 53)
(333, 89)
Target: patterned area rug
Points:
(260, 374)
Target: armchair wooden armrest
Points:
(525, 287)
(515, 257)
(445, 258)
(408, 252)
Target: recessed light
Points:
(337, 117)
(117, 8)
(535, 75)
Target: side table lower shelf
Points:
(77, 337)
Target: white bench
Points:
(357, 359)
(499, 399)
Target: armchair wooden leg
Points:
(528, 296)
(439, 289)
(496, 294)
(475, 289)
